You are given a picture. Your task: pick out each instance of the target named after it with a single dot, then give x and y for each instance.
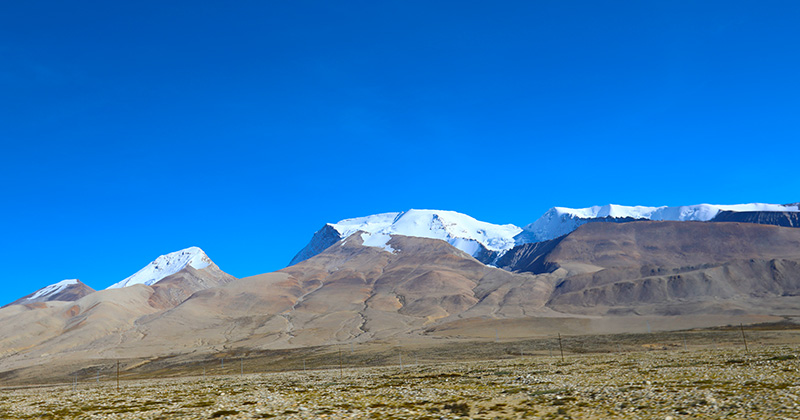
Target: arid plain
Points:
(686, 374)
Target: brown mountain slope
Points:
(94, 324)
(54, 327)
(678, 268)
(347, 293)
(172, 290)
(530, 257)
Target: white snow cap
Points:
(166, 265)
(378, 240)
(460, 230)
(559, 221)
(52, 289)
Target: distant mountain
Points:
(559, 221)
(776, 218)
(479, 239)
(176, 276)
(669, 268)
(488, 242)
(65, 290)
(167, 265)
(95, 319)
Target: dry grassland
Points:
(655, 384)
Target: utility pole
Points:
(560, 347)
(117, 375)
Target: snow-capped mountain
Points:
(52, 289)
(463, 232)
(167, 265)
(560, 221)
(487, 241)
(67, 290)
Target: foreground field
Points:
(704, 383)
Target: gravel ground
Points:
(637, 385)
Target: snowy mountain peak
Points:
(559, 221)
(464, 232)
(65, 290)
(166, 265)
(52, 289)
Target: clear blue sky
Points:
(133, 129)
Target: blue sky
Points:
(133, 130)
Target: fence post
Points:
(744, 338)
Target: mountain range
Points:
(487, 242)
(427, 275)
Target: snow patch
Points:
(52, 289)
(378, 240)
(166, 265)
